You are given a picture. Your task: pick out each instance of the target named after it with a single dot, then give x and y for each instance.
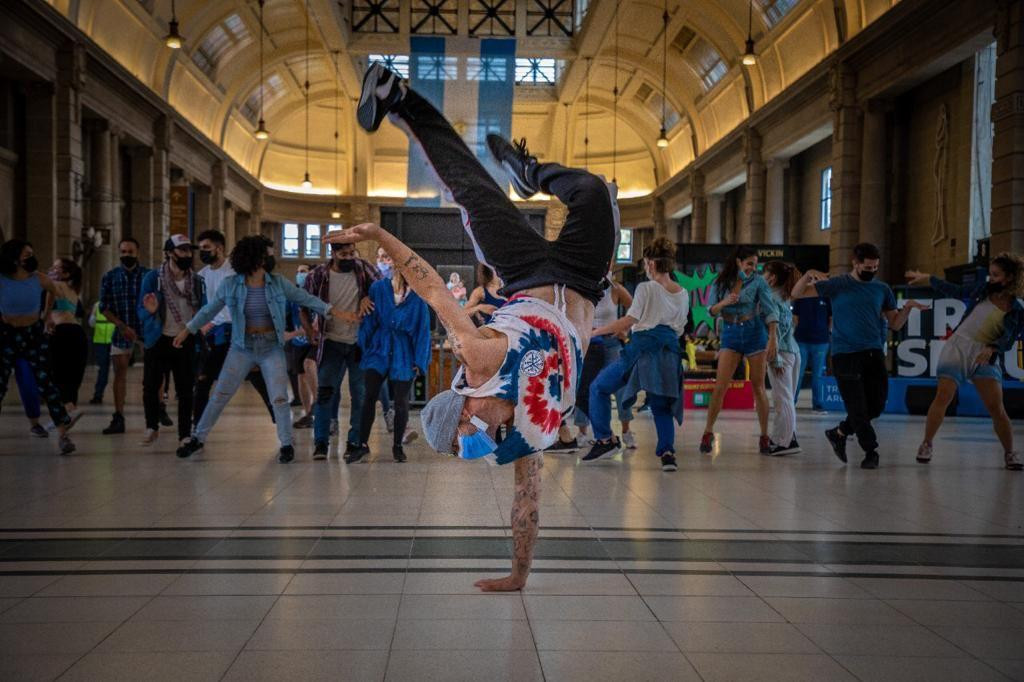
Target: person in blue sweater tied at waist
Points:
(651, 361)
(520, 371)
(395, 340)
(257, 299)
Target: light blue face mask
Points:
(479, 444)
(744, 277)
(385, 269)
(300, 278)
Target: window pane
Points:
(826, 198)
(312, 241)
(291, 231)
(625, 252)
(290, 240)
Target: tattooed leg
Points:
(525, 525)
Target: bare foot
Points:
(507, 584)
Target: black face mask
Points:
(269, 263)
(31, 264)
(995, 287)
(346, 265)
(866, 275)
(208, 257)
(129, 262)
(183, 262)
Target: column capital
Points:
(752, 144)
(842, 86)
(257, 203)
(71, 58)
(697, 182)
(163, 133)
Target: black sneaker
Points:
(563, 446)
(116, 425)
(870, 461)
(66, 446)
(354, 453)
(781, 450)
(601, 450)
(517, 161)
(793, 445)
(668, 462)
(838, 443)
(398, 453)
(286, 454)
(372, 107)
(165, 419)
(304, 422)
(96, 400)
(189, 448)
(38, 431)
(320, 450)
(296, 402)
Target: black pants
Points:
(181, 362)
(69, 354)
(31, 345)
(211, 361)
(864, 386)
(581, 256)
(373, 380)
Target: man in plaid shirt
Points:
(344, 283)
(119, 299)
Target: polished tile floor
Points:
(124, 563)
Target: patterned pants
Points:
(31, 345)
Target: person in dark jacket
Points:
(994, 321)
(395, 340)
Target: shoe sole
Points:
(366, 112)
(787, 451)
(924, 461)
(319, 456)
(522, 190)
(413, 435)
(670, 467)
(610, 453)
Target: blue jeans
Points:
(263, 351)
(337, 358)
(811, 355)
(611, 379)
(102, 351)
(599, 355)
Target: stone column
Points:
(159, 191)
(873, 175)
(101, 196)
(229, 224)
(256, 214)
(699, 216)
(775, 201)
(1008, 120)
(70, 166)
(755, 194)
(714, 219)
(794, 228)
(658, 217)
(202, 203)
(241, 226)
(41, 170)
(142, 194)
(219, 181)
(846, 167)
(729, 226)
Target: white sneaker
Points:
(629, 440)
(150, 437)
(389, 420)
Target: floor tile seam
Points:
(262, 620)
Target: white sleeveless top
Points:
(606, 311)
(539, 376)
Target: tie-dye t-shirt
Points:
(539, 376)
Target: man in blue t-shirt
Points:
(859, 303)
(812, 317)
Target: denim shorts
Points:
(956, 362)
(746, 338)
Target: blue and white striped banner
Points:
(474, 93)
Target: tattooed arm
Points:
(424, 280)
(525, 525)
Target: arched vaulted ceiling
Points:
(617, 47)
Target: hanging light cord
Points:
(750, 20)
(337, 109)
(615, 103)
(664, 65)
(261, 61)
(307, 88)
(586, 123)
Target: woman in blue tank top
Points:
(21, 329)
(69, 346)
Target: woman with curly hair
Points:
(257, 299)
(992, 324)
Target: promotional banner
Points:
(474, 93)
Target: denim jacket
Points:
(781, 313)
(754, 292)
(1013, 321)
(232, 293)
